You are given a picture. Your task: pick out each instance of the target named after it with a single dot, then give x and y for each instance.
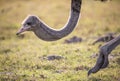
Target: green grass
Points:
(21, 59)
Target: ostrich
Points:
(46, 33)
(105, 50)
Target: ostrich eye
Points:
(29, 23)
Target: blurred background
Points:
(95, 15)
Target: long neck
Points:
(47, 33)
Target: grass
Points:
(21, 59)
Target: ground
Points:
(22, 58)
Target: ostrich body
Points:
(44, 32)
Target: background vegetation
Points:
(22, 58)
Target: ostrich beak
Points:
(23, 29)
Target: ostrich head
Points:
(29, 24)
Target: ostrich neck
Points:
(47, 33)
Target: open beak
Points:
(23, 29)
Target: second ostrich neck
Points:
(47, 33)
